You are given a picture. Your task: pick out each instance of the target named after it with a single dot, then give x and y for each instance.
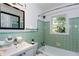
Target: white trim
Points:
(17, 30)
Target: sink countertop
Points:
(15, 49)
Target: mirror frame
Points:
(13, 15)
(10, 15)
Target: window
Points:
(59, 25)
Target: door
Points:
(73, 34)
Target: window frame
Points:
(67, 25)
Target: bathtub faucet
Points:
(43, 43)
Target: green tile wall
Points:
(68, 42)
(27, 36)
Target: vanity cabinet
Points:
(22, 49)
(31, 51)
(28, 53)
(25, 53)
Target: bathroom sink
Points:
(13, 49)
(4, 43)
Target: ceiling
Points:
(47, 6)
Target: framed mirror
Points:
(11, 17)
(11, 22)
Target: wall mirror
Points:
(9, 21)
(11, 17)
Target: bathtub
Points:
(53, 51)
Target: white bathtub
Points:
(53, 51)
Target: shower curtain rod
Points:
(59, 8)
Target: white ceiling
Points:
(47, 6)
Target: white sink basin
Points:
(4, 44)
